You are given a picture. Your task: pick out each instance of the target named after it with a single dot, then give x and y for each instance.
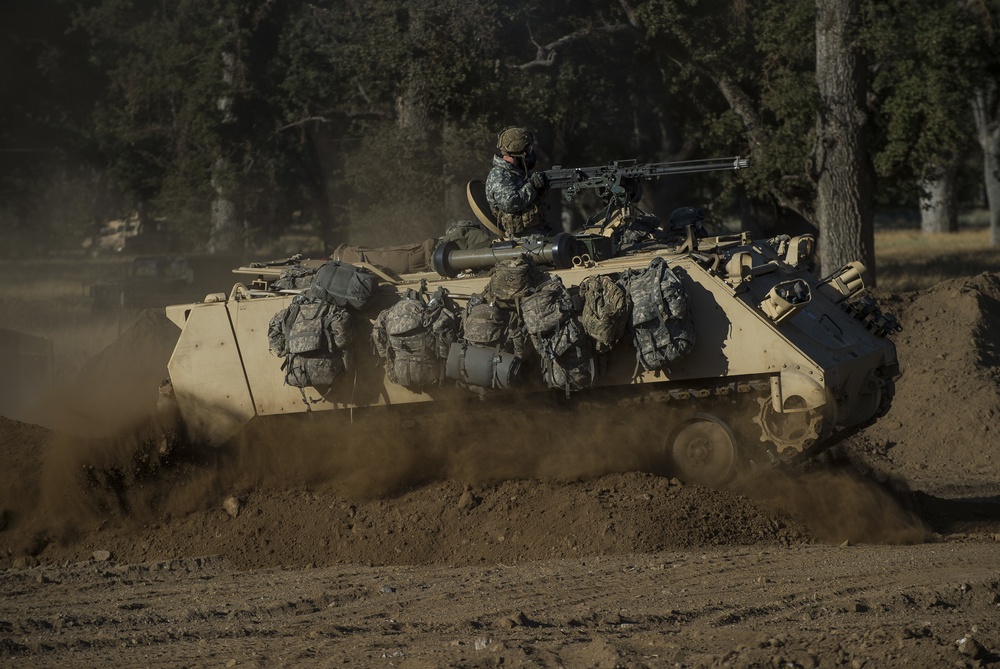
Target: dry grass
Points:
(907, 259)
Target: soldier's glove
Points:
(540, 180)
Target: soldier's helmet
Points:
(514, 141)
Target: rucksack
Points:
(511, 279)
(315, 338)
(343, 284)
(554, 327)
(605, 312)
(492, 326)
(661, 324)
(413, 338)
(295, 277)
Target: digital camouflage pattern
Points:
(662, 329)
(315, 338)
(605, 311)
(413, 338)
(556, 333)
(511, 280)
(513, 199)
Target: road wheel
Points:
(702, 450)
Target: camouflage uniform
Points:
(514, 200)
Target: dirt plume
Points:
(836, 504)
(118, 387)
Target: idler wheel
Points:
(703, 450)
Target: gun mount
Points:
(619, 181)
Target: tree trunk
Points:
(226, 235)
(844, 194)
(987, 113)
(938, 212)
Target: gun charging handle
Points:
(449, 260)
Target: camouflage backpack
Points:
(511, 279)
(554, 327)
(413, 338)
(605, 311)
(315, 339)
(295, 277)
(661, 324)
(489, 325)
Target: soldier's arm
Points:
(507, 194)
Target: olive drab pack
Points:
(605, 312)
(551, 321)
(511, 279)
(661, 324)
(468, 235)
(492, 325)
(413, 338)
(492, 346)
(402, 258)
(343, 284)
(296, 277)
(315, 338)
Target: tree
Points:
(986, 108)
(49, 185)
(807, 140)
(844, 178)
(921, 83)
(985, 100)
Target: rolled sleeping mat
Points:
(482, 367)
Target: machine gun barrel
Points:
(609, 177)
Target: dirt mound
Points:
(371, 501)
(454, 524)
(20, 445)
(941, 433)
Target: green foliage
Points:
(924, 65)
(365, 118)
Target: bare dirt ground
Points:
(392, 550)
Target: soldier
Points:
(515, 195)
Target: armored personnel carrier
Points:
(730, 348)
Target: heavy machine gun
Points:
(619, 182)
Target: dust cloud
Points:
(838, 505)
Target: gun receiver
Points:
(619, 180)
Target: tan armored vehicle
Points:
(730, 348)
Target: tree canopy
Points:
(364, 120)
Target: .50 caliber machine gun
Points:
(619, 182)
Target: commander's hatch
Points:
(475, 193)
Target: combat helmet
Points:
(514, 141)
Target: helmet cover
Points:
(514, 141)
